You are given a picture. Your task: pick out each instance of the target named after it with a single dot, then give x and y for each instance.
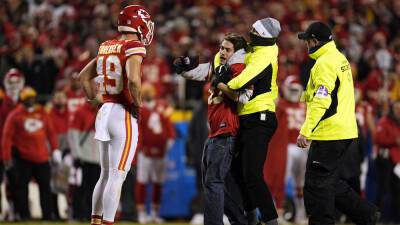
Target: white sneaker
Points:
(226, 220)
(157, 220)
(143, 218)
(282, 221)
(197, 219)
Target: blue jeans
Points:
(216, 162)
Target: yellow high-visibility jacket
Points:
(260, 72)
(330, 97)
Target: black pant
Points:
(256, 130)
(388, 186)
(324, 190)
(90, 175)
(41, 172)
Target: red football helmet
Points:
(292, 88)
(14, 81)
(135, 19)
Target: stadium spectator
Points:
(13, 83)
(388, 161)
(85, 153)
(27, 129)
(58, 116)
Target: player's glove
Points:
(185, 63)
(222, 74)
(133, 110)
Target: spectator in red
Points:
(387, 138)
(59, 117)
(27, 129)
(13, 84)
(75, 95)
(75, 99)
(157, 132)
(85, 151)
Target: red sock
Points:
(96, 220)
(156, 193)
(140, 193)
(107, 222)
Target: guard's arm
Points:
(324, 80)
(251, 74)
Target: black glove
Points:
(222, 74)
(185, 63)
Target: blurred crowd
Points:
(49, 41)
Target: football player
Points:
(117, 69)
(157, 134)
(296, 158)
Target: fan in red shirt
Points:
(27, 129)
(59, 118)
(224, 124)
(75, 95)
(286, 160)
(157, 134)
(387, 138)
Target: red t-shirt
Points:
(387, 131)
(155, 128)
(222, 112)
(75, 99)
(112, 77)
(85, 118)
(29, 133)
(363, 108)
(60, 120)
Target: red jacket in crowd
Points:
(81, 134)
(387, 132)
(59, 119)
(29, 133)
(5, 108)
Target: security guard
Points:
(257, 117)
(331, 126)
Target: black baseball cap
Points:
(317, 30)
